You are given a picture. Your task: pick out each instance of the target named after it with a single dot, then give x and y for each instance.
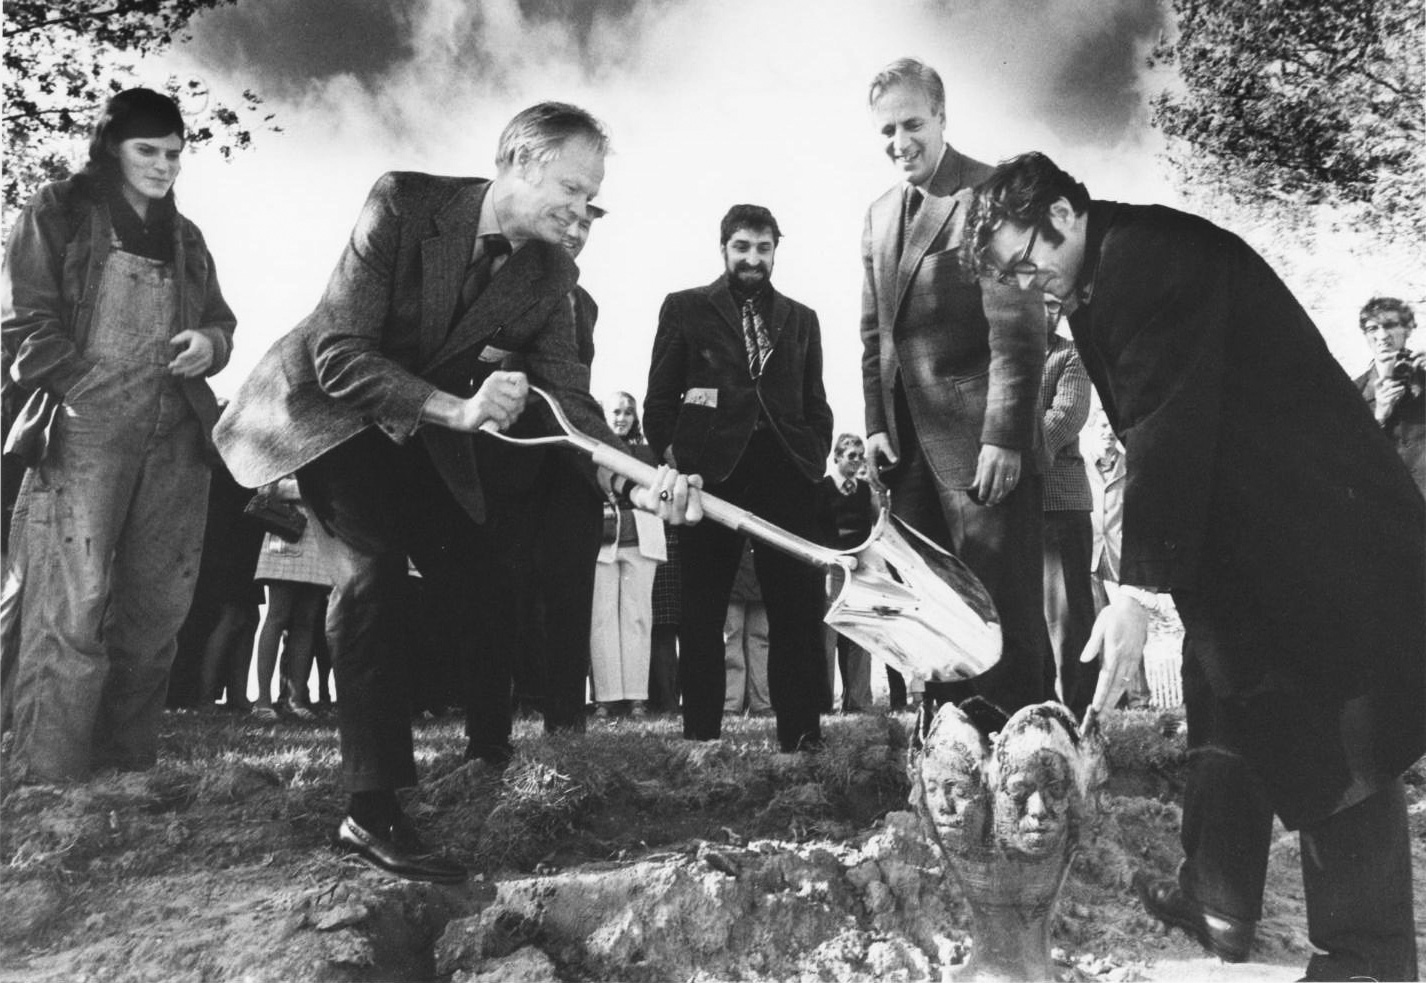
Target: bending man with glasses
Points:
(951, 378)
(1255, 475)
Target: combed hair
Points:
(538, 134)
(1020, 190)
(753, 217)
(1387, 305)
(844, 441)
(913, 72)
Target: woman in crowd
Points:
(298, 577)
(622, 620)
(114, 319)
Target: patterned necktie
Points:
(755, 338)
(849, 486)
(478, 274)
(914, 196)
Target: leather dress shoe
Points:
(1230, 939)
(400, 853)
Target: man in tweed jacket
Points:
(442, 279)
(950, 373)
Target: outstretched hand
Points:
(1119, 635)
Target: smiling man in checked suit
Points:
(735, 394)
(951, 376)
(373, 399)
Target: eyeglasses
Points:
(855, 456)
(1371, 326)
(1021, 266)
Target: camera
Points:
(1404, 368)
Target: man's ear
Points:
(1062, 215)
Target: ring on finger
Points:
(664, 495)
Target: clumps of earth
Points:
(143, 877)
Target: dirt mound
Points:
(627, 854)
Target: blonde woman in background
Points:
(622, 622)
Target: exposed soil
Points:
(214, 866)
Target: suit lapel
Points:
(512, 291)
(444, 258)
(935, 212)
(722, 299)
(886, 234)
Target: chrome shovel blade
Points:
(917, 607)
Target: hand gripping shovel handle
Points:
(722, 512)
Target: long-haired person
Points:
(112, 314)
(623, 616)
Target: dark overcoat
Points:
(1259, 484)
(382, 340)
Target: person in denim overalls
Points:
(112, 308)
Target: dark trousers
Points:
(1003, 546)
(768, 484)
(1069, 604)
(384, 503)
(569, 522)
(1356, 863)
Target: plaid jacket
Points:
(1064, 402)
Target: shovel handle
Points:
(722, 512)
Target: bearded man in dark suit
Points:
(441, 280)
(735, 394)
(951, 382)
(1256, 474)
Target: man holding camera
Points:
(1395, 383)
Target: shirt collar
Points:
(1098, 219)
(489, 224)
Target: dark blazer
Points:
(381, 340)
(1256, 468)
(1406, 425)
(970, 355)
(702, 401)
(843, 521)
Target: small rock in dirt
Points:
(528, 965)
(342, 916)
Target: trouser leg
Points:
(735, 665)
(709, 560)
(755, 647)
(636, 615)
(604, 632)
(1227, 817)
(568, 545)
(68, 516)
(1356, 869)
(156, 563)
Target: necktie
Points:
(914, 195)
(849, 486)
(478, 274)
(755, 338)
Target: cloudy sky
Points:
(710, 102)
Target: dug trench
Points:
(625, 853)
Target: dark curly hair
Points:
(1020, 191)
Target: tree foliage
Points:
(1302, 102)
(64, 58)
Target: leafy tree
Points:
(64, 58)
(1301, 103)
